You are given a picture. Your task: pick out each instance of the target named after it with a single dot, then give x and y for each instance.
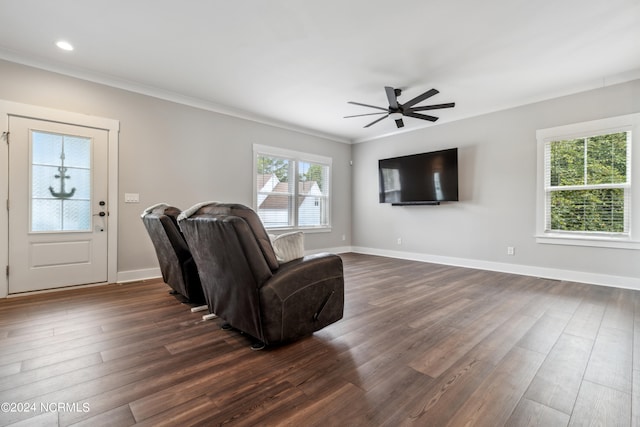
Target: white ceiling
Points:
(296, 63)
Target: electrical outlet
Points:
(399, 240)
(344, 237)
(511, 250)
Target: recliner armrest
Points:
(304, 271)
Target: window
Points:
(588, 184)
(292, 188)
(60, 182)
(585, 189)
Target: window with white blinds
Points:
(292, 188)
(588, 183)
(585, 183)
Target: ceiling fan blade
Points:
(420, 116)
(391, 97)
(368, 114)
(399, 123)
(376, 121)
(420, 98)
(434, 107)
(367, 105)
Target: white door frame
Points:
(8, 108)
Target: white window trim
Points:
(630, 122)
(298, 156)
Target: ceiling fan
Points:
(397, 110)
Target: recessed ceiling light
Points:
(64, 45)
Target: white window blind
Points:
(587, 184)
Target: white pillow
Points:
(288, 246)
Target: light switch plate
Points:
(131, 198)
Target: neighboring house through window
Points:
(292, 188)
(586, 185)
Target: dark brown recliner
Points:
(178, 268)
(246, 286)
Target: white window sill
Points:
(599, 242)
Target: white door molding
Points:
(42, 113)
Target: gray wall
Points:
(177, 154)
(497, 208)
(182, 155)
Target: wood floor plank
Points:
(27, 378)
(376, 359)
(557, 382)
(436, 404)
(586, 320)
(611, 360)
(424, 320)
(9, 369)
(544, 334)
(215, 382)
(120, 416)
(495, 399)
(533, 414)
(598, 405)
(192, 412)
(67, 350)
(272, 403)
(420, 344)
(55, 348)
(45, 419)
(348, 407)
(81, 384)
(19, 345)
(441, 357)
(127, 387)
(619, 313)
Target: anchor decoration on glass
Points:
(62, 194)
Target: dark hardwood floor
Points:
(420, 344)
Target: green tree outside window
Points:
(587, 179)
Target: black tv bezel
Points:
(421, 202)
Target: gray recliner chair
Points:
(246, 285)
(178, 268)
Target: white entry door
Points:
(58, 213)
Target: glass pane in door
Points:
(60, 182)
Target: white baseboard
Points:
(525, 270)
(135, 275)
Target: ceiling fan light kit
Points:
(397, 110)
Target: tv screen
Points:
(426, 178)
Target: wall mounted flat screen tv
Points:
(419, 179)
